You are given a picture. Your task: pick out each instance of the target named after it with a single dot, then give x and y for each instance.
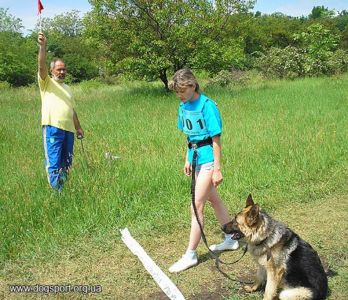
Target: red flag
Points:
(39, 7)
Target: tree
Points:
(321, 12)
(344, 39)
(9, 23)
(341, 20)
(319, 44)
(343, 13)
(268, 31)
(17, 59)
(317, 39)
(68, 24)
(147, 39)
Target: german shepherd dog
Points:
(285, 260)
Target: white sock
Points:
(228, 238)
(191, 253)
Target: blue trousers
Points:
(58, 147)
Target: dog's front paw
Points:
(266, 297)
(250, 288)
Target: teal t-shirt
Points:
(199, 120)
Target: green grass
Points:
(286, 142)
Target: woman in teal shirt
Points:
(199, 118)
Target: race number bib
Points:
(193, 123)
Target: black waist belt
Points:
(208, 141)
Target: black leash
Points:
(218, 261)
(83, 149)
(193, 193)
(193, 187)
(80, 137)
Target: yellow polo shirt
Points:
(57, 104)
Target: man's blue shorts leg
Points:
(67, 154)
(53, 141)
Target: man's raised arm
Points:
(42, 56)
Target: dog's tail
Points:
(303, 293)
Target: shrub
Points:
(234, 77)
(4, 85)
(223, 78)
(314, 55)
(338, 62)
(282, 63)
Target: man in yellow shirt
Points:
(59, 118)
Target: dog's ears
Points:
(249, 201)
(253, 215)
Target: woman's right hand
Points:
(187, 168)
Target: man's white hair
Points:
(53, 62)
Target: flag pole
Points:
(40, 25)
(39, 9)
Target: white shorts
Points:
(205, 167)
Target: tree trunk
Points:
(163, 77)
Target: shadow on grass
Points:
(219, 263)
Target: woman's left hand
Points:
(217, 177)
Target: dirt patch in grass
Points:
(110, 264)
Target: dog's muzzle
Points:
(232, 228)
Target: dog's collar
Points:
(268, 250)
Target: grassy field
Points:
(285, 142)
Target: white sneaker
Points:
(185, 262)
(227, 244)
